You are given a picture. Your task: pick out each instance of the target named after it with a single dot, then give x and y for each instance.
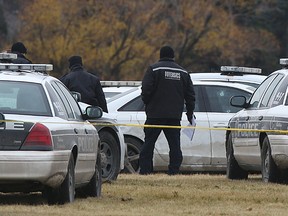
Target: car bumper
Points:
(47, 167)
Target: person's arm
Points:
(148, 85)
(189, 99)
(101, 97)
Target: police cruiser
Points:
(47, 144)
(257, 138)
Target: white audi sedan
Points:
(47, 144)
(206, 151)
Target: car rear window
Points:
(23, 98)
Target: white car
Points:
(47, 143)
(206, 152)
(257, 135)
(233, 74)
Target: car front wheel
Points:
(133, 151)
(234, 171)
(269, 170)
(110, 156)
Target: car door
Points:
(260, 120)
(246, 144)
(219, 112)
(196, 152)
(85, 135)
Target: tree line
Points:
(119, 39)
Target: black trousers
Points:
(151, 135)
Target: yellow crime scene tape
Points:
(164, 126)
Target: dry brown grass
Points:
(160, 194)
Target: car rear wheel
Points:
(270, 172)
(133, 151)
(110, 156)
(234, 171)
(67, 188)
(94, 187)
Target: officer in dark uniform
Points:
(19, 49)
(87, 84)
(166, 86)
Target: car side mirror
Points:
(93, 112)
(238, 101)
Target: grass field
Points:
(163, 195)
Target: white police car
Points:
(206, 152)
(257, 138)
(46, 143)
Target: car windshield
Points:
(23, 98)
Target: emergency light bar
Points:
(29, 67)
(284, 61)
(8, 56)
(241, 69)
(120, 83)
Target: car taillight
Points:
(39, 138)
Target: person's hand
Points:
(189, 117)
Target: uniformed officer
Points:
(19, 49)
(87, 84)
(166, 86)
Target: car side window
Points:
(64, 100)
(71, 99)
(255, 99)
(137, 104)
(57, 103)
(134, 105)
(218, 98)
(271, 90)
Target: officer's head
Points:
(75, 60)
(19, 47)
(166, 52)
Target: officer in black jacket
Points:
(19, 49)
(166, 86)
(87, 84)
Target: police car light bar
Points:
(120, 83)
(29, 67)
(284, 61)
(8, 56)
(241, 69)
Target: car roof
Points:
(241, 86)
(249, 79)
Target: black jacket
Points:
(87, 84)
(166, 86)
(21, 59)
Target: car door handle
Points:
(76, 130)
(220, 125)
(260, 118)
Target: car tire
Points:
(94, 188)
(133, 151)
(110, 156)
(269, 170)
(233, 171)
(67, 188)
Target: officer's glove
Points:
(189, 117)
